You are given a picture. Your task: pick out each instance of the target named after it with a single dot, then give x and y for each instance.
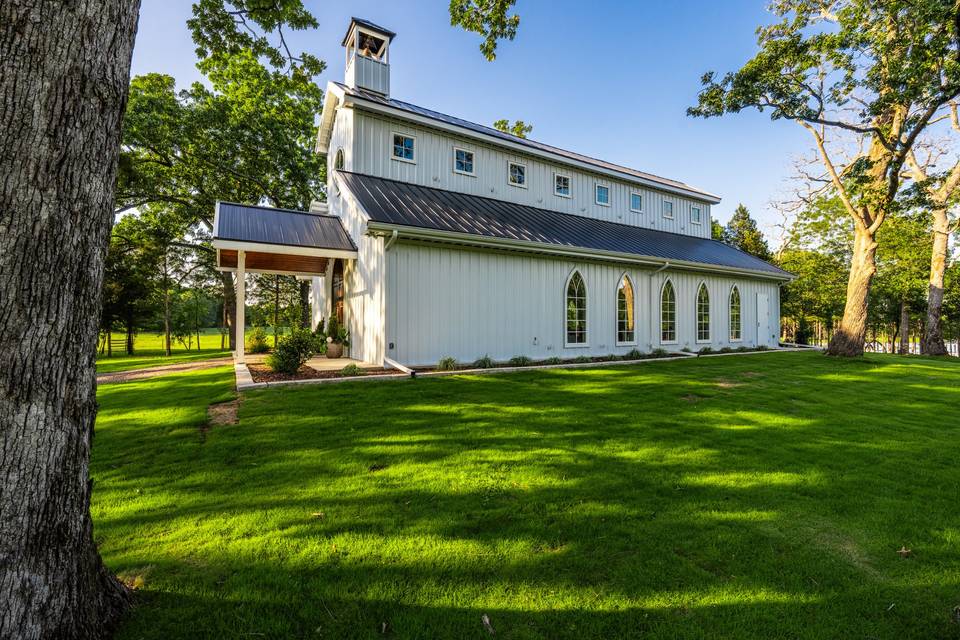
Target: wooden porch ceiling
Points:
(273, 262)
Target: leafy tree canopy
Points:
(519, 128)
(489, 18)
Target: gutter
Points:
(563, 250)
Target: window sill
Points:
(627, 344)
(602, 204)
(576, 346)
(403, 160)
(518, 186)
(560, 195)
(707, 341)
(669, 342)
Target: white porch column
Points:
(241, 303)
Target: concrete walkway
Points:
(139, 374)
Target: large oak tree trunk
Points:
(933, 344)
(64, 73)
(904, 328)
(305, 304)
(851, 334)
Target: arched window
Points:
(736, 329)
(576, 310)
(703, 313)
(338, 160)
(625, 311)
(668, 313)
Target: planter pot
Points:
(334, 350)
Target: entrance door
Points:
(337, 291)
(763, 319)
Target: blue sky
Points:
(608, 79)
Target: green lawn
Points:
(757, 496)
(148, 352)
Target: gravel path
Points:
(139, 374)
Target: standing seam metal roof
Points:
(266, 225)
(404, 204)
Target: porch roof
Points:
(278, 240)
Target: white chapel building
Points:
(442, 237)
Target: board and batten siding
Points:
(372, 139)
(450, 301)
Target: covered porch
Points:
(254, 239)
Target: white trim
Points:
(557, 174)
(393, 156)
(510, 182)
(639, 195)
(729, 322)
(696, 315)
(616, 318)
(473, 162)
(368, 105)
(676, 334)
(663, 209)
(596, 194)
(283, 249)
(698, 210)
(586, 301)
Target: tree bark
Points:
(64, 73)
(851, 334)
(305, 304)
(166, 306)
(904, 328)
(933, 344)
(276, 308)
(229, 306)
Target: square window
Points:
(517, 174)
(636, 202)
(695, 215)
(603, 195)
(403, 147)
(463, 161)
(561, 186)
(667, 209)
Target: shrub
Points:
(486, 362)
(686, 350)
(633, 354)
(292, 351)
(762, 347)
(705, 351)
(726, 350)
(742, 349)
(447, 363)
(337, 333)
(352, 370)
(520, 361)
(659, 353)
(582, 359)
(553, 360)
(258, 341)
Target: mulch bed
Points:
(262, 373)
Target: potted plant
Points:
(337, 338)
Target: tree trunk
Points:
(305, 304)
(851, 334)
(64, 74)
(904, 328)
(276, 308)
(166, 307)
(933, 337)
(229, 306)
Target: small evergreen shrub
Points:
(582, 359)
(553, 360)
(257, 342)
(659, 353)
(705, 351)
(742, 349)
(762, 347)
(608, 358)
(686, 350)
(352, 370)
(726, 350)
(486, 362)
(447, 363)
(633, 354)
(520, 361)
(292, 351)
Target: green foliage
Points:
(336, 333)
(257, 341)
(486, 362)
(582, 359)
(520, 361)
(352, 370)
(659, 353)
(716, 230)
(705, 351)
(293, 351)
(447, 363)
(489, 18)
(726, 349)
(633, 354)
(553, 360)
(519, 128)
(742, 232)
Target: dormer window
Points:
(636, 203)
(603, 195)
(463, 161)
(404, 147)
(667, 209)
(517, 174)
(561, 185)
(695, 215)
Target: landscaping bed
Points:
(263, 373)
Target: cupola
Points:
(368, 56)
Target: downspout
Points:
(393, 238)
(653, 307)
